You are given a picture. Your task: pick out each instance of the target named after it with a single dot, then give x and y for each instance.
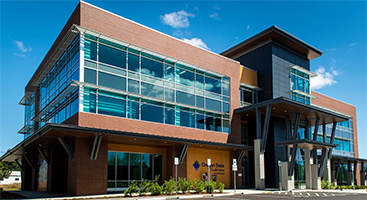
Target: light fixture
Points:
(134, 138)
(285, 110)
(165, 142)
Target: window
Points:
(248, 96)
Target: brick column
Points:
(86, 176)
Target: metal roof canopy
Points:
(52, 132)
(306, 144)
(343, 158)
(282, 106)
(274, 33)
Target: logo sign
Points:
(234, 162)
(196, 165)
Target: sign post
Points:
(353, 177)
(176, 163)
(209, 163)
(280, 174)
(234, 168)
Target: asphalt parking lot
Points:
(295, 195)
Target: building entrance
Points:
(123, 168)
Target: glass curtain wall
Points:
(343, 137)
(150, 88)
(28, 116)
(125, 167)
(57, 80)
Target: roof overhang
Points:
(278, 35)
(306, 144)
(48, 135)
(352, 159)
(282, 106)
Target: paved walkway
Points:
(116, 196)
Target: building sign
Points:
(215, 168)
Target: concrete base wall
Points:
(316, 180)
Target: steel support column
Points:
(68, 149)
(332, 139)
(183, 153)
(337, 171)
(258, 123)
(95, 147)
(314, 137)
(294, 149)
(265, 128)
(19, 165)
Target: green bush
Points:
(155, 188)
(184, 185)
(221, 187)
(169, 186)
(133, 188)
(211, 187)
(144, 186)
(325, 184)
(199, 186)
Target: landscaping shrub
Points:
(155, 188)
(199, 186)
(221, 187)
(211, 187)
(169, 186)
(144, 186)
(133, 188)
(184, 185)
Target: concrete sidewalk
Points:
(118, 196)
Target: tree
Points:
(6, 168)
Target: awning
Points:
(307, 144)
(48, 135)
(282, 106)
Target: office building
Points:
(114, 101)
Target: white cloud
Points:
(20, 54)
(324, 78)
(248, 27)
(178, 19)
(21, 46)
(196, 8)
(216, 7)
(353, 44)
(214, 16)
(196, 42)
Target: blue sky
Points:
(29, 28)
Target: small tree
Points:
(6, 168)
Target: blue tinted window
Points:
(90, 76)
(225, 107)
(226, 126)
(300, 85)
(169, 94)
(151, 68)
(133, 109)
(185, 98)
(152, 113)
(169, 116)
(111, 106)
(133, 86)
(90, 50)
(169, 73)
(200, 121)
(199, 81)
(212, 85)
(152, 90)
(307, 86)
(185, 77)
(133, 62)
(112, 81)
(89, 103)
(212, 104)
(112, 56)
(184, 118)
(225, 88)
(293, 82)
(200, 101)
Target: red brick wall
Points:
(342, 107)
